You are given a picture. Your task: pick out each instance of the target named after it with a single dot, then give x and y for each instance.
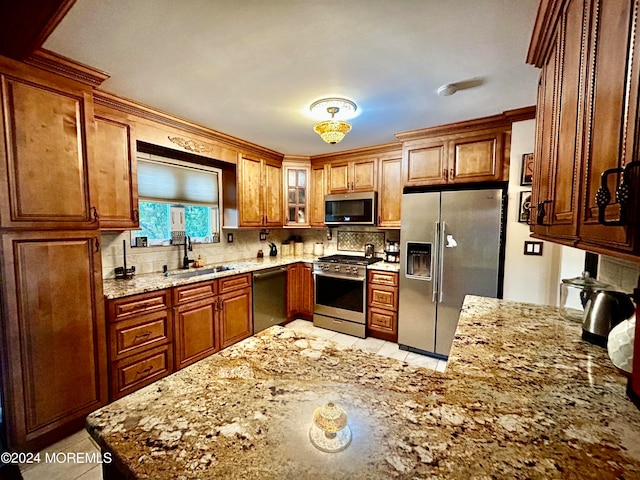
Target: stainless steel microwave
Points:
(350, 208)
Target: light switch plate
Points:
(532, 248)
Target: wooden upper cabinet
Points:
(55, 334)
(296, 194)
(259, 192)
(444, 155)
(611, 119)
(545, 128)
(390, 192)
(555, 190)
(113, 165)
(587, 122)
(44, 161)
(425, 163)
(317, 187)
(250, 192)
(272, 195)
(476, 159)
(358, 175)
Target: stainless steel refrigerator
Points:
(451, 246)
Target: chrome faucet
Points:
(187, 247)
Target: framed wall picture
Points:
(527, 169)
(525, 206)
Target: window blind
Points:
(177, 183)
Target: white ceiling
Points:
(251, 68)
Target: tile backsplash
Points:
(618, 273)
(246, 244)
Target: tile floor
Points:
(80, 442)
(373, 345)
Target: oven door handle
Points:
(342, 277)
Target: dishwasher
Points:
(269, 298)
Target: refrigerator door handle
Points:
(441, 261)
(435, 264)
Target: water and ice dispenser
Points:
(419, 260)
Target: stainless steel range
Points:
(341, 293)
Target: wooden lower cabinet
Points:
(152, 334)
(300, 291)
(138, 370)
(195, 331)
(53, 335)
(382, 311)
(140, 341)
(221, 315)
(235, 317)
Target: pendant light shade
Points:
(333, 131)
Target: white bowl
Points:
(620, 344)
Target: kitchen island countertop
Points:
(523, 396)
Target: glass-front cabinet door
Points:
(296, 193)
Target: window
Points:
(177, 198)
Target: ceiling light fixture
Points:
(334, 130)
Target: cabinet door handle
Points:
(541, 214)
(96, 215)
(97, 240)
(624, 194)
(445, 174)
(136, 215)
(144, 372)
(452, 174)
(140, 336)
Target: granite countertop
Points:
(385, 266)
(157, 281)
(523, 396)
(151, 282)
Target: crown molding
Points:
(544, 30)
(494, 121)
(54, 63)
(130, 107)
(358, 152)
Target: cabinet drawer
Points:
(382, 296)
(382, 319)
(382, 324)
(196, 291)
(233, 283)
(139, 370)
(135, 334)
(383, 278)
(124, 307)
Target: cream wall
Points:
(533, 279)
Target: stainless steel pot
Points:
(603, 311)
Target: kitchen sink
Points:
(200, 271)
